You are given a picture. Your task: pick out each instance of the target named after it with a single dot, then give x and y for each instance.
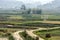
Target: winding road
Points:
(30, 33)
(17, 36)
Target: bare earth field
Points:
(52, 22)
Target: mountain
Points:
(10, 4)
(53, 7)
(34, 5)
(53, 4)
(17, 4)
(7, 4)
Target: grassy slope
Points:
(25, 36)
(55, 33)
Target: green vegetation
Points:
(6, 32)
(27, 20)
(27, 24)
(10, 36)
(55, 34)
(25, 36)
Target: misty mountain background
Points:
(53, 7)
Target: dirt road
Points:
(30, 32)
(3, 38)
(17, 36)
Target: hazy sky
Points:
(33, 1)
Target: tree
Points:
(23, 7)
(28, 11)
(37, 38)
(37, 11)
